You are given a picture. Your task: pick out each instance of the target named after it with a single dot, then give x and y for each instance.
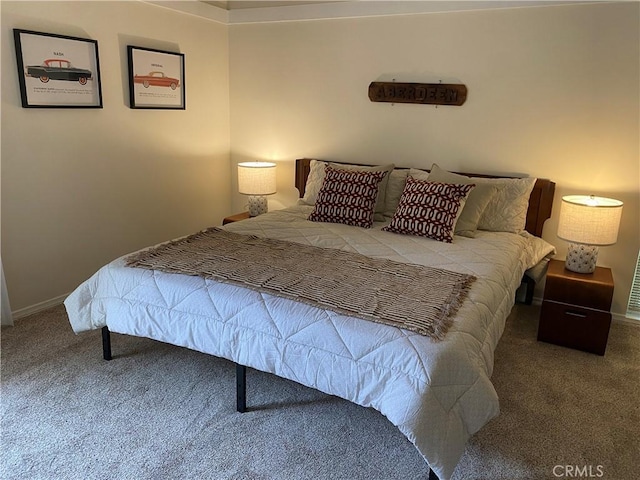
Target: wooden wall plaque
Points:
(424, 93)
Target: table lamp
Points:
(587, 222)
(257, 179)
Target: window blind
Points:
(633, 309)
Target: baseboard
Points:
(626, 320)
(38, 307)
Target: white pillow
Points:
(421, 175)
(314, 183)
(507, 209)
(395, 187)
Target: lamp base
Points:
(581, 258)
(257, 205)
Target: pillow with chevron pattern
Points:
(429, 209)
(347, 196)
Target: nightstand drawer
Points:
(575, 327)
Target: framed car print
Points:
(156, 79)
(57, 71)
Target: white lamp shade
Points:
(257, 178)
(589, 220)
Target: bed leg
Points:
(106, 343)
(432, 475)
(531, 286)
(241, 388)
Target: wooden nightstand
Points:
(235, 218)
(576, 308)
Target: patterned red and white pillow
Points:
(429, 209)
(347, 196)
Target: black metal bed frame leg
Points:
(106, 343)
(531, 286)
(241, 381)
(241, 388)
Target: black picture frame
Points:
(156, 79)
(57, 71)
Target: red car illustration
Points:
(58, 69)
(157, 79)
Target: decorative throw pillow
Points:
(395, 187)
(317, 174)
(347, 197)
(476, 203)
(429, 209)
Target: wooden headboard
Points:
(540, 202)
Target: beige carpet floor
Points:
(162, 412)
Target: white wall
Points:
(553, 92)
(81, 187)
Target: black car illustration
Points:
(58, 69)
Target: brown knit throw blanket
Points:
(414, 297)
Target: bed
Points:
(437, 391)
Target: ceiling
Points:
(238, 4)
(235, 12)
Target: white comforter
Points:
(436, 393)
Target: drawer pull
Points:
(575, 314)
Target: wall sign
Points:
(424, 93)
